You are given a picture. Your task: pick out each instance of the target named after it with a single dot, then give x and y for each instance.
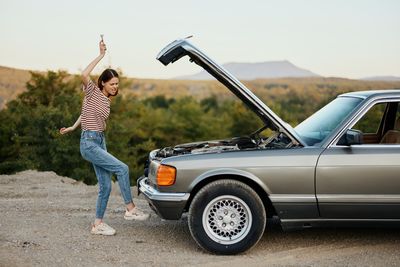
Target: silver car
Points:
(340, 166)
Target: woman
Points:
(95, 111)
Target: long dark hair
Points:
(107, 75)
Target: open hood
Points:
(179, 48)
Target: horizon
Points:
(348, 39)
(185, 77)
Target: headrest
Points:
(397, 124)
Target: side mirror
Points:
(351, 137)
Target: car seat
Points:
(392, 136)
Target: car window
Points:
(369, 123)
(319, 126)
(381, 124)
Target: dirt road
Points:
(45, 221)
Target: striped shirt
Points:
(95, 108)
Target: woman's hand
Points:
(86, 72)
(102, 47)
(65, 130)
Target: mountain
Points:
(12, 83)
(260, 70)
(382, 78)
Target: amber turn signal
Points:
(166, 175)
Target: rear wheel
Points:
(227, 217)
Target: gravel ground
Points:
(45, 221)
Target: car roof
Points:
(373, 93)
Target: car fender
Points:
(227, 172)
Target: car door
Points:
(362, 181)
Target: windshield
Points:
(319, 126)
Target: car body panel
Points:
(263, 167)
(166, 205)
(361, 181)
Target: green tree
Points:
(29, 136)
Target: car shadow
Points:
(177, 235)
(275, 239)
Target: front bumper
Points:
(169, 206)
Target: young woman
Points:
(95, 111)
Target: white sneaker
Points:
(135, 214)
(102, 229)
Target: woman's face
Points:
(110, 88)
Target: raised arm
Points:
(86, 72)
(65, 130)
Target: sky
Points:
(333, 38)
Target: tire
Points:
(226, 217)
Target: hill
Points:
(382, 78)
(13, 82)
(260, 70)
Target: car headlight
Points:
(166, 175)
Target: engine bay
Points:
(251, 142)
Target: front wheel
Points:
(227, 217)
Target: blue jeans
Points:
(93, 149)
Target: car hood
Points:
(182, 47)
